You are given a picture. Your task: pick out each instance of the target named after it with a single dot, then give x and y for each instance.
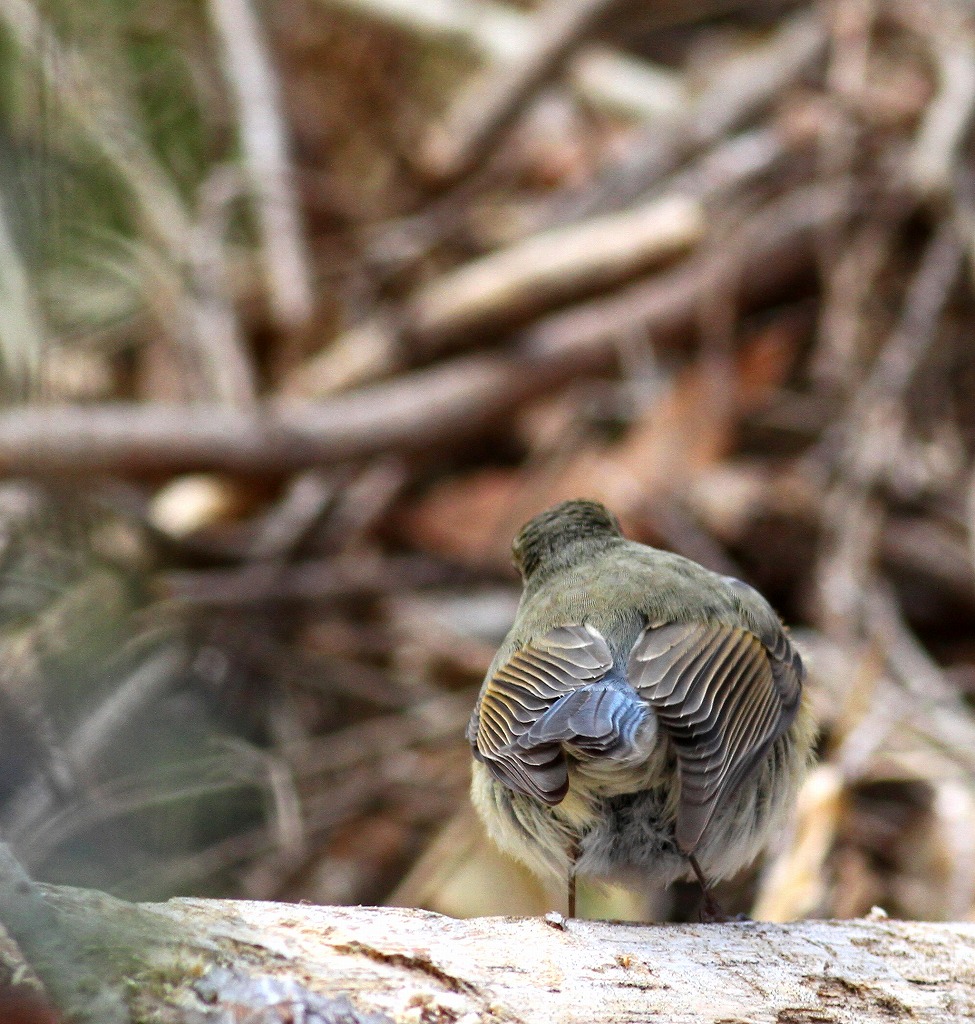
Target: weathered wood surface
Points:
(417, 966)
(211, 960)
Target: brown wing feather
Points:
(723, 696)
(520, 691)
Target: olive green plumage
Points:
(642, 716)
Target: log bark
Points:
(194, 960)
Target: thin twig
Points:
(93, 737)
(188, 781)
(251, 76)
(944, 719)
(325, 580)
(860, 441)
(21, 328)
(482, 116)
(498, 33)
(437, 718)
(948, 117)
(737, 93)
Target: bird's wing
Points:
(558, 690)
(788, 672)
(723, 695)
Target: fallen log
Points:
(196, 961)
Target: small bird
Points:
(644, 719)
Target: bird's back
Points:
(634, 696)
(620, 590)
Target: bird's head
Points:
(563, 534)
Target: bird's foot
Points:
(712, 913)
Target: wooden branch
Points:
(492, 103)
(546, 268)
(213, 960)
(438, 407)
(420, 411)
(325, 580)
(496, 32)
(737, 93)
(774, 249)
(947, 119)
(538, 272)
(254, 87)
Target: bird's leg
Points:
(711, 911)
(571, 880)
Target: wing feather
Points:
(558, 692)
(723, 695)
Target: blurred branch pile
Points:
(306, 330)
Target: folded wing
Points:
(558, 692)
(723, 696)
